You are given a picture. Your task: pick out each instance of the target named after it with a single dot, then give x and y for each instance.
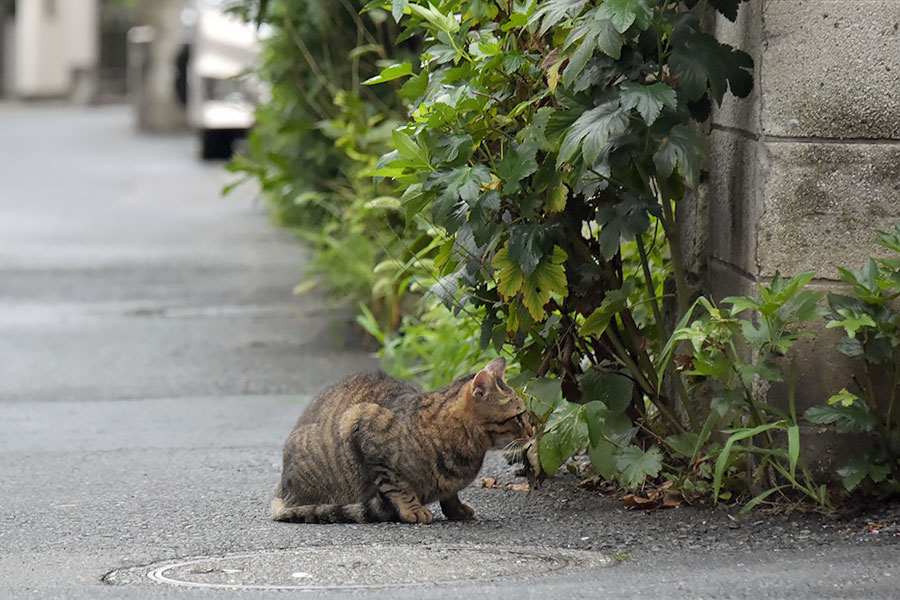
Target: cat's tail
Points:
(373, 510)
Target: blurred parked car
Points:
(214, 79)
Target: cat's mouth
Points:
(524, 426)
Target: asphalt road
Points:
(153, 359)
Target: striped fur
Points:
(374, 448)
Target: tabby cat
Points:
(375, 448)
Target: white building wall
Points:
(53, 38)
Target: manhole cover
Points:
(360, 567)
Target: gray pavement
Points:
(153, 359)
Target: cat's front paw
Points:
(463, 513)
(416, 515)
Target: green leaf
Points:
(793, 449)
(455, 146)
(525, 246)
(409, 150)
(649, 100)
(728, 8)
(511, 278)
(446, 23)
(397, 8)
(544, 394)
(852, 321)
(592, 30)
(741, 303)
(395, 71)
(844, 397)
(636, 464)
(683, 443)
(683, 149)
(551, 452)
(591, 131)
(598, 320)
(556, 199)
(849, 346)
(603, 458)
(858, 469)
(565, 433)
(700, 62)
(846, 419)
(611, 389)
(757, 499)
(552, 12)
(724, 459)
(549, 277)
(624, 13)
(517, 164)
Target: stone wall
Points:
(808, 167)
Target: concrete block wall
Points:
(808, 167)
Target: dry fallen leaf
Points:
(489, 482)
(634, 501)
(672, 501)
(519, 487)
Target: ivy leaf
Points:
(592, 130)
(624, 13)
(593, 31)
(470, 181)
(728, 8)
(683, 149)
(452, 145)
(517, 164)
(549, 277)
(636, 464)
(699, 62)
(457, 190)
(511, 278)
(555, 11)
(649, 100)
(525, 246)
(624, 219)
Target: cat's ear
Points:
(497, 367)
(487, 377)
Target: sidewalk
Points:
(153, 360)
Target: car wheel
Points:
(216, 144)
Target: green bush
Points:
(870, 317)
(319, 135)
(549, 142)
(520, 173)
